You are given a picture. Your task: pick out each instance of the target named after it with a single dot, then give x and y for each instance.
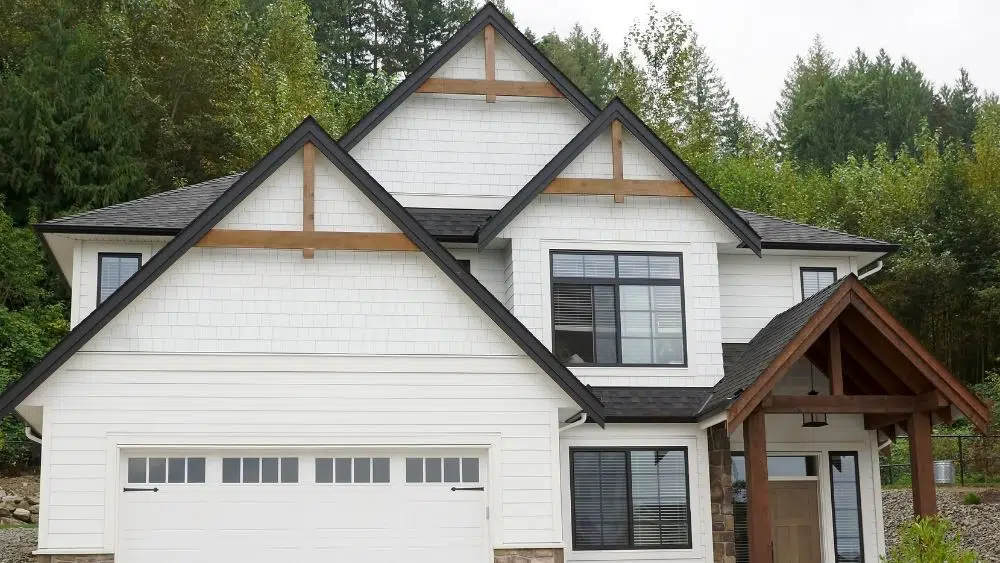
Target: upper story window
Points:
(618, 309)
(815, 279)
(113, 270)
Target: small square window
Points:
(136, 470)
(269, 470)
(175, 470)
(470, 470)
(414, 470)
(324, 470)
(343, 470)
(452, 470)
(231, 470)
(362, 469)
(196, 470)
(433, 470)
(157, 470)
(114, 269)
(289, 470)
(380, 470)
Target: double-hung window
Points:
(618, 308)
(630, 499)
(113, 270)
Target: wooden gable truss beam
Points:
(617, 186)
(308, 239)
(490, 86)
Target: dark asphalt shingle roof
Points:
(765, 347)
(663, 404)
(167, 213)
(781, 233)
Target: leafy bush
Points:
(972, 498)
(929, 540)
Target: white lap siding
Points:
(264, 344)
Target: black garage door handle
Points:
(135, 490)
(453, 489)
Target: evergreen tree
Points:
(584, 59)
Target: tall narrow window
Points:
(630, 499)
(113, 270)
(618, 309)
(844, 482)
(815, 280)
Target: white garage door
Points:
(265, 506)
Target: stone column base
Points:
(103, 558)
(535, 555)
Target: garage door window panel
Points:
(442, 470)
(357, 470)
(161, 470)
(267, 470)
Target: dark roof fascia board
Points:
(886, 248)
(489, 14)
(308, 131)
(56, 228)
(651, 419)
(617, 110)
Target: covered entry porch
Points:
(811, 398)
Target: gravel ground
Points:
(16, 545)
(978, 524)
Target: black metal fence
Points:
(975, 459)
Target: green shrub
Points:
(972, 498)
(929, 540)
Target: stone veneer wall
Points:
(720, 478)
(541, 555)
(104, 558)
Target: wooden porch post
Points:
(918, 428)
(758, 511)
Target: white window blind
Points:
(846, 507)
(815, 280)
(115, 270)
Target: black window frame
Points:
(818, 269)
(617, 282)
(100, 266)
(833, 505)
(628, 487)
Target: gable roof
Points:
(309, 131)
(488, 15)
(788, 336)
(618, 111)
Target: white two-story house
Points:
(493, 322)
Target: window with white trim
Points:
(815, 280)
(630, 499)
(113, 270)
(266, 470)
(157, 470)
(618, 309)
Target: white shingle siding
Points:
(439, 150)
(594, 161)
(345, 302)
(487, 267)
(637, 162)
(282, 399)
(510, 65)
(640, 164)
(641, 224)
(468, 63)
(276, 204)
(754, 290)
(86, 281)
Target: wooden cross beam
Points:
(308, 194)
(854, 404)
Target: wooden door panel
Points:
(795, 521)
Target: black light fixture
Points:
(813, 420)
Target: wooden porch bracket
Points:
(758, 504)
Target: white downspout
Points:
(31, 435)
(575, 423)
(875, 270)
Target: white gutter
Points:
(574, 424)
(875, 270)
(712, 421)
(31, 435)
